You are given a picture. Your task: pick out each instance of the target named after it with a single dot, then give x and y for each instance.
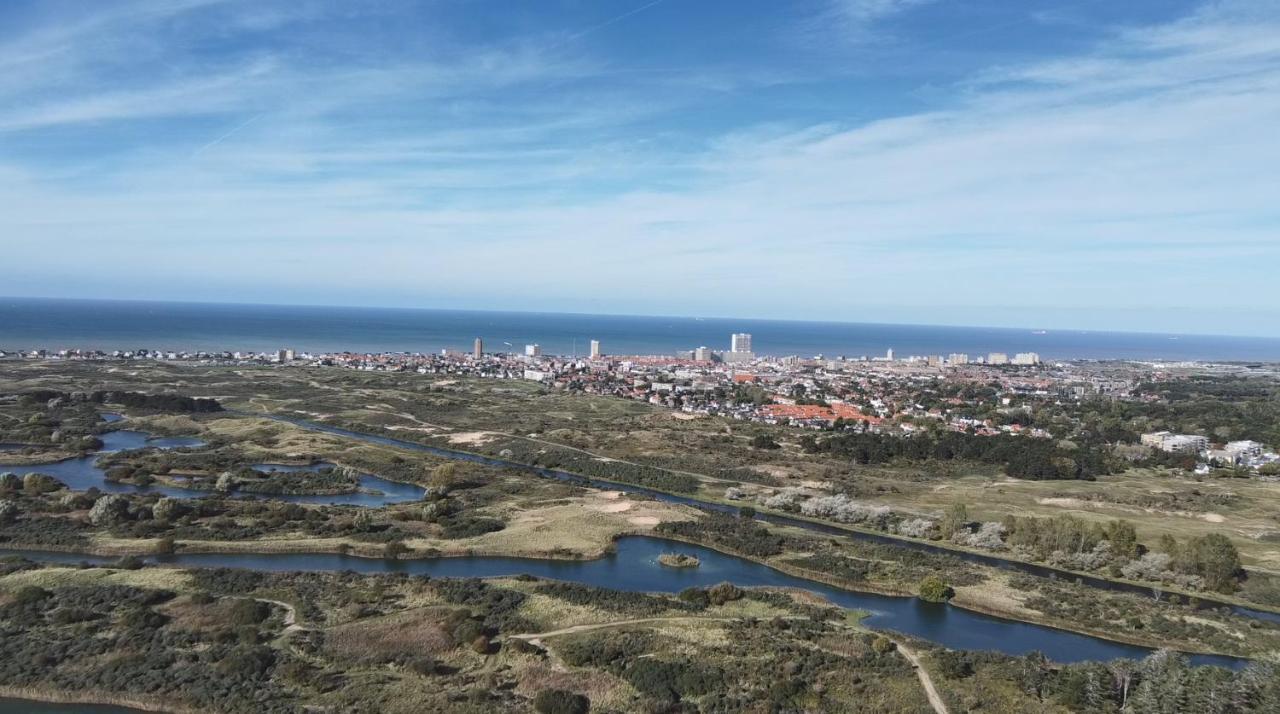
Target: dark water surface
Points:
(27, 323)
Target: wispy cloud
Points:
(1138, 172)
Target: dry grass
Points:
(52, 577)
(416, 631)
(580, 525)
(1246, 520)
(605, 691)
(994, 594)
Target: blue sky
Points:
(1094, 164)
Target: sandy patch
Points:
(616, 507)
(682, 416)
(611, 495)
(470, 438)
(1213, 517)
(645, 520)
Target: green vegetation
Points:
(1033, 459)
(933, 589)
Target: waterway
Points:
(978, 558)
(634, 567)
(81, 474)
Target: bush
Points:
(724, 592)
(246, 611)
(558, 701)
(763, 441)
(394, 549)
(954, 665)
(932, 589)
(30, 594)
(129, 562)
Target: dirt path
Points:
(290, 613)
(536, 637)
(930, 691)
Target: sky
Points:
(1046, 163)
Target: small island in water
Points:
(678, 560)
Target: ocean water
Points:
(27, 323)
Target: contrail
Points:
(619, 18)
(219, 140)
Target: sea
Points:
(34, 323)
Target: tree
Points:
(1122, 671)
(443, 477)
(933, 589)
(957, 517)
(1123, 538)
(1215, 558)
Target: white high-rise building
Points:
(595, 349)
(740, 342)
(1026, 358)
(534, 350)
(888, 355)
(477, 350)
(702, 354)
(958, 358)
(997, 358)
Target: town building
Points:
(997, 358)
(477, 350)
(595, 349)
(1175, 443)
(534, 350)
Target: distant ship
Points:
(1039, 332)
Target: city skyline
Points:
(1097, 166)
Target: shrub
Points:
(724, 592)
(954, 665)
(558, 701)
(246, 611)
(394, 549)
(30, 594)
(129, 562)
(932, 589)
(763, 441)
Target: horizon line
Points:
(1268, 338)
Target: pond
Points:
(81, 474)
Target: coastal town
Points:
(993, 394)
